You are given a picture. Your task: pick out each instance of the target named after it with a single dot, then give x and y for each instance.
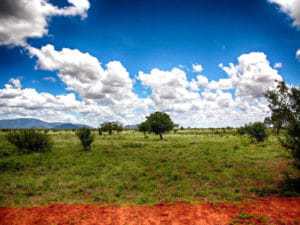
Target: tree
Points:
(110, 127)
(107, 127)
(86, 137)
(117, 127)
(159, 123)
(280, 107)
(144, 127)
(284, 103)
(255, 130)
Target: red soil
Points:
(261, 211)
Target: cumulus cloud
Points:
(298, 54)
(83, 73)
(278, 65)
(106, 92)
(230, 101)
(290, 7)
(18, 102)
(197, 68)
(170, 89)
(252, 76)
(200, 82)
(109, 87)
(14, 82)
(23, 19)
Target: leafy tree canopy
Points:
(284, 103)
(110, 127)
(158, 123)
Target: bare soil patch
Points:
(272, 210)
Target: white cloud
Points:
(170, 89)
(23, 19)
(298, 54)
(84, 74)
(200, 82)
(107, 93)
(278, 65)
(109, 87)
(204, 103)
(290, 7)
(18, 102)
(13, 82)
(197, 68)
(252, 76)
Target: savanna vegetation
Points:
(155, 163)
(191, 165)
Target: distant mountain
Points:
(131, 127)
(69, 126)
(23, 123)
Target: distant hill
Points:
(23, 123)
(68, 126)
(131, 127)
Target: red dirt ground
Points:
(261, 211)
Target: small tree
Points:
(117, 127)
(107, 127)
(284, 103)
(110, 127)
(29, 140)
(159, 123)
(86, 137)
(255, 130)
(280, 107)
(144, 127)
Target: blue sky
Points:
(163, 34)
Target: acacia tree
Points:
(159, 123)
(110, 127)
(284, 103)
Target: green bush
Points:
(255, 130)
(29, 140)
(86, 137)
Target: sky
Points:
(205, 63)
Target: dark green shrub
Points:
(256, 130)
(29, 140)
(86, 138)
(144, 127)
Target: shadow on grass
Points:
(289, 187)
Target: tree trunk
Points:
(161, 137)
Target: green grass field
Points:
(128, 168)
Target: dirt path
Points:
(261, 211)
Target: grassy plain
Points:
(128, 168)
